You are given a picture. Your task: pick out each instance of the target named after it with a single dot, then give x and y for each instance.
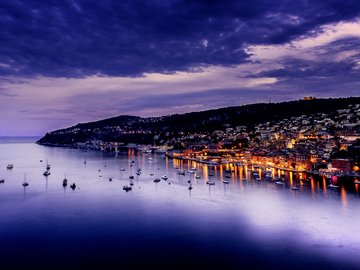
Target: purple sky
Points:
(64, 62)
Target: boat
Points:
(157, 180)
(227, 176)
(25, 184)
(73, 186)
(110, 179)
(127, 188)
(197, 177)
(138, 172)
(10, 166)
(46, 173)
(279, 182)
(333, 186)
(243, 179)
(122, 170)
(131, 177)
(226, 182)
(65, 181)
(2, 181)
(179, 172)
(295, 188)
(164, 177)
(356, 182)
(210, 183)
(151, 174)
(190, 187)
(47, 166)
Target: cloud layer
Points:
(62, 62)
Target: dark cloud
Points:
(129, 38)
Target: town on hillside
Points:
(325, 143)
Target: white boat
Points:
(164, 177)
(295, 188)
(210, 183)
(333, 186)
(197, 177)
(226, 182)
(279, 182)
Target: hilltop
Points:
(133, 129)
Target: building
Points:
(342, 164)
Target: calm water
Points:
(242, 225)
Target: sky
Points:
(70, 61)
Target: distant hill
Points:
(135, 129)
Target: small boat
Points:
(138, 172)
(122, 170)
(210, 183)
(295, 188)
(2, 181)
(131, 183)
(46, 173)
(127, 188)
(157, 180)
(180, 172)
(164, 177)
(333, 186)
(25, 184)
(65, 181)
(190, 187)
(197, 177)
(227, 175)
(47, 166)
(10, 166)
(243, 179)
(151, 174)
(73, 186)
(211, 174)
(226, 182)
(41, 160)
(110, 179)
(131, 177)
(279, 182)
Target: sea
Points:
(243, 224)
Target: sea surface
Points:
(246, 224)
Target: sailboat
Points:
(47, 165)
(65, 181)
(25, 184)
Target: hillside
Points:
(134, 129)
